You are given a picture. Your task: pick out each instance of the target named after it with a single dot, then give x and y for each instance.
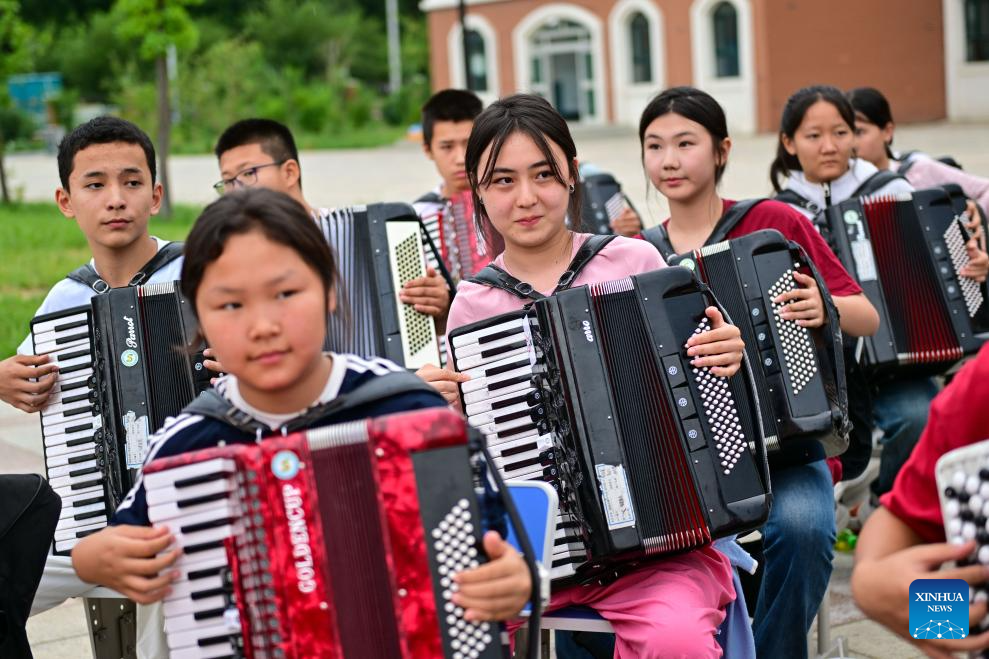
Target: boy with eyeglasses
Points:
(262, 152)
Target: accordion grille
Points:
(165, 345)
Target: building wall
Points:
(896, 46)
(836, 43)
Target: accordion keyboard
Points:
(69, 424)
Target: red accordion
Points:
(335, 542)
(461, 244)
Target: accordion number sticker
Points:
(136, 442)
(615, 496)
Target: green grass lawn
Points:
(38, 247)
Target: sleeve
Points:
(408, 402)
(462, 310)
(955, 420)
(926, 173)
(802, 232)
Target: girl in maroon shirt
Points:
(685, 148)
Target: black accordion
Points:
(602, 201)
(127, 362)
(906, 252)
(378, 249)
(591, 390)
(799, 371)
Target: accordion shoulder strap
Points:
(659, 238)
(88, 276)
(495, 277)
(876, 182)
(431, 198)
(214, 406)
(789, 196)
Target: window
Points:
(725, 23)
(638, 29)
(477, 62)
(976, 30)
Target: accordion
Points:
(602, 201)
(963, 486)
(339, 541)
(799, 370)
(460, 245)
(125, 364)
(906, 252)
(378, 249)
(591, 391)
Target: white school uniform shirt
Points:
(842, 187)
(69, 293)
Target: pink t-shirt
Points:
(620, 258)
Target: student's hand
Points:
(124, 558)
(803, 304)
(627, 224)
(881, 587)
(429, 294)
(212, 364)
(498, 589)
(720, 348)
(978, 264)
(974, 223)
(445, 381)
(16, 386)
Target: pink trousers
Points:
(671, 608)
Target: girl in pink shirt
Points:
(521, 162)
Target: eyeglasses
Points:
(245, 178)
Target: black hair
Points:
(874, 107)
(274, 138)
(530, 115)
(280, 218)
(102, 130)
(793, 115)
(693, 104)
(449, 105)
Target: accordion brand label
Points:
(285, 465)
(129, 358)
(136, 442)
(865, 262)
(615, 496)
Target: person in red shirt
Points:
(904, 539)
(685, 146)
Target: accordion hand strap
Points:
(212, 405)
(88, 276)
(495, 277)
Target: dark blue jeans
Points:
(900, 411)
(798, 545)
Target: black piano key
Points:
(203, 594)
(214, 640)
(209, 572)
(510, 381)
(508, 402)
(206, 498)
(491, 352)
(72, 337)
(543, 459)
(203, 546)
(207, 614)
(89, 515)
(72, 355)
(86, 502)
(503, 334)
(74, 324)
(202, 526)
(83, 486)
(84, 472)
(83, 534)
(79, 384)
(199, 480)
(82, 458)
(78, 411)
(79, 440)
(489, 372)
(514, 431)
(533, 413)
(530, 446)
(81, 427)
(75, 367)
(75, 399)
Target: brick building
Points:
(599, 61)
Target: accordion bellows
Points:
(335, 542)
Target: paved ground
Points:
(400, 173)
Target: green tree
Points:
(157, 25)
(13, 56)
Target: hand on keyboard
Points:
(125, 558)
(429, 294)
(498, 589)
(17, 384)
(444, 381)
(720, 348)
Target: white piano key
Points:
(190, 637)
(212, 651)
(94, 490)
(488, 404)
(476, 349)
(540, 442)
(470, 338)
(468, 362)
(476, 396)
(167, 478)
(60, 437)
(178, 495)
(54, 454)
(486, 418)
(70, 480)
(71, 531)
(182, 606)
(488, 383)
(65, 470)
(505, 426)
(165, 512)
(189, 540)
(529, 433)
(50, 325)
(68, 512)
(482, 370)
(185, 589)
